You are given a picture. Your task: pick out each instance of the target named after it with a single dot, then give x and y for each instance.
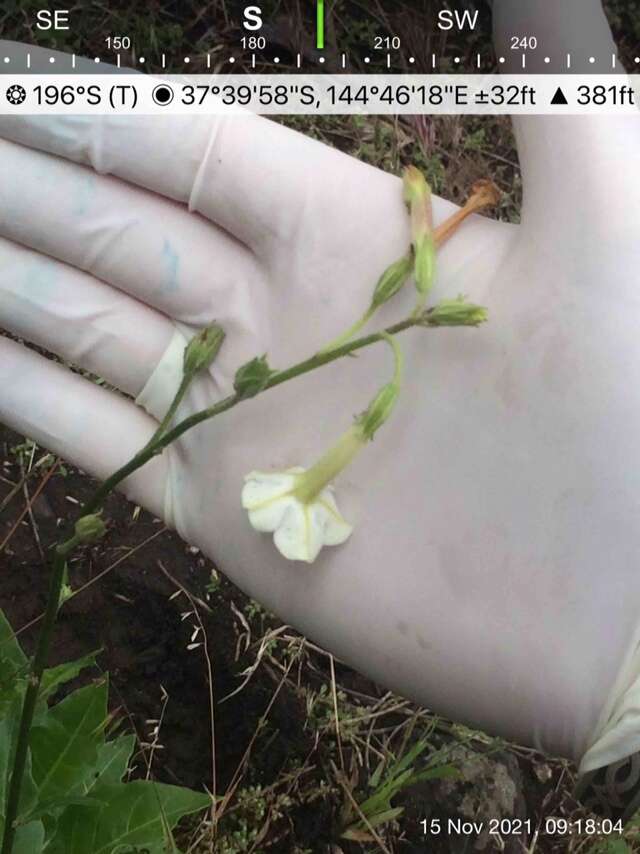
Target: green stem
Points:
(155, 446)
(398, 357)
(323, 358)
(177, 400)
(337, 458)
(351, 331)
(31, 695)
(418, 311)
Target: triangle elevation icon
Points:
(559, 97)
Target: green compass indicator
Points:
(320, 24)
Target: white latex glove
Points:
(493, 571)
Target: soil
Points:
(134, 617)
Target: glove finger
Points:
(95, 429)
(81, 319)
(575, 27)
(141, 243)
(251, 176)
(570, 164)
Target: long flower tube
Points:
(297, 505)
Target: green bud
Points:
(203, 349)
(378, 410)
(415, 187)
(66, 592)
(425, 264)
(89, 529)
(382, 404)
(391, 281)
(252, 377)
(417, 195)
(456, 312)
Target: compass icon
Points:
(16, 94)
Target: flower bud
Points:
(485, 194)
(391, 281)
(425, 264)
(203, 349)
(89, 529)
(252, 377)
(378, 410)
(417, 194)
(456, 312)
(415, 186)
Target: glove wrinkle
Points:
(162, 385)
(617, 733)
(194, 195)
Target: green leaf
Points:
(55, 805)
(359, 831)
(13, 664)
(8, 736)
(29, 838)
(381, 797)
(132, 814)
(56, 676)
(113, 761)
(408, 757)
(383, 817)
(10, 649)
(374, 780)
(440, 772)
(613, 846)
(64, 746)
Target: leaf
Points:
(613, 846)
(29, 838)
(64, 746)
(440, 772)
(56, 676)
(381, 798)
(359, 832)
(131, 814)
(408, 757)
(53, 805)
(113, 761)
(13, 663)
(374, 780)
(387, 815)
(10, 649)
(8, 736)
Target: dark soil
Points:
(132, 615)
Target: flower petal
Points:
(299, 530)
(336, 528)
(299, 536)
(269, 516)
(261, 487)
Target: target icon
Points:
(16, 94)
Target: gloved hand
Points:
(492, 574)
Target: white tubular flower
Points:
(297, 505)
(300, 528)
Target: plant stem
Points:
(161, 438)
(320, 475)
(484, 194)
(153, 448)
(350, 332)
(31, 694)
(177, 400)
